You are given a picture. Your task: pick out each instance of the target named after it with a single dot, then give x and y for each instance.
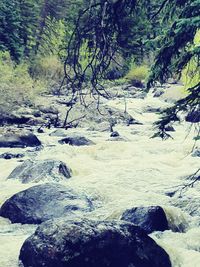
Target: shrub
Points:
(16, 85)
(49, 70)
(137, 73)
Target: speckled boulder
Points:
(84, 243)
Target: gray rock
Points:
(43, 202)
(114, 134)
(132, 121)
(76, 141)
(39, 170)
(158, 92)
(150, 219)
(169, 128)
(84, 243)
(19, 139)
(11, 156)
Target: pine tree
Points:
(178, 50)
(10, 28)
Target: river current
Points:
(139, 171)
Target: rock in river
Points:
(193, 116)
(19, 139)
(86, 243)
(39, 170)
(76, 141)
(150, 219)
(43, 202)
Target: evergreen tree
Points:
(178, 50)
(10, 28)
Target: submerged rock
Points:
(86, 243)
(43, 202)
(19, 139)
(76, 141)
(39, 170)
(150, 219)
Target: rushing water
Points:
(121, 174)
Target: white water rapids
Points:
(118, 175)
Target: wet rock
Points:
(157, 92)
(19, 139)
(169, 128)
(43, 202)
(76, 141)
(196, 153)
(137, 83)
(11, 156)
(40, 130)
(14, 119)
(193, 116)
(86, 243)
(150, 219)
(150, 109)
(114, 134)
(39, 170)
(132, 121)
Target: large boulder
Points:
(85, 243)
(39, 170)
(76, 140)
(43, 202)
(19, 139)
(150, 219)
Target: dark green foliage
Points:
(10, 28)
(190, 103)
(177, 51)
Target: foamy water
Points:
(118, 175)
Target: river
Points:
(122, 174)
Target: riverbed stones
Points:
(43, 202)
(76, 140)
(40, 170)
(150, 219)
(19, 139)
(87, 243)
